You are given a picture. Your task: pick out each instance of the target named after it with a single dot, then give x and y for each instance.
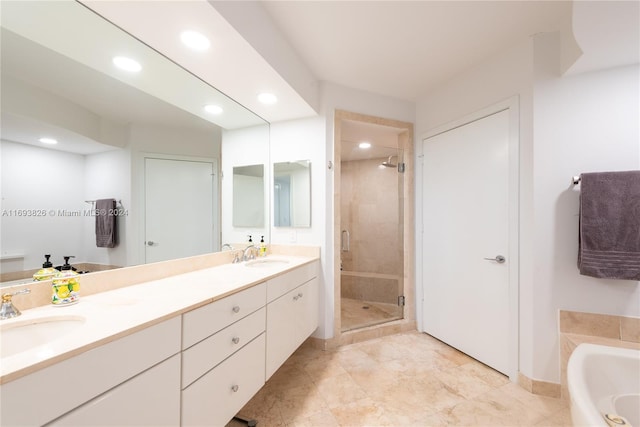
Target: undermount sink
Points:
(24, 335)
(266, 262)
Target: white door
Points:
(179, 208)
(465, 226)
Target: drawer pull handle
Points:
(234, 388)
(235, 340)
(236, 308)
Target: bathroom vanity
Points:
(189, 349)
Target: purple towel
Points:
(609, 240)
(106, 223)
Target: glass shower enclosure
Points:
(371, 239)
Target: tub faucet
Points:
(8, 310)
(249, 253)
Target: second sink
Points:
(266, 262)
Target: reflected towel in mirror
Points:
(106, 223)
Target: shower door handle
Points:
(345, 240)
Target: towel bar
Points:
(118, 202)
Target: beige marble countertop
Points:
(116, 313)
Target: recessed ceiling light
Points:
(364, 145)
(127, 64)
(267, 98)
(49, 141)
(194, 40)
(213, 109)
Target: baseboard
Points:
(542, 388)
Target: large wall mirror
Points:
(142, 138)
(292, 194)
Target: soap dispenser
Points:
(46, 272)
(263, 247)
(66, 285)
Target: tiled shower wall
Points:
(371, 212)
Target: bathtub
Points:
(604, 382)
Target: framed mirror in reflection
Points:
(292, 194)
(248, 196)
(121, 135)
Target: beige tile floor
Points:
(409, 379)
(354, 315)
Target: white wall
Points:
(52, 183)
(582, 123)
(568, 125)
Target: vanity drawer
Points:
(59, 388)
(200, 358)
(282, 284)
(206, 321)
(216, 397)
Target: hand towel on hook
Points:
(609, 235)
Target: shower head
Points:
(388, 163)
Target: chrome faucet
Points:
(8, 310)
(249, 253)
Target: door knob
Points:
(150, 243)
(499, 259)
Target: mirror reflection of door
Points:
(179, 208)
(282, 201)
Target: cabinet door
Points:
(216, 397)
(281, 331)
(149, 399)
(307, 310)
(290, 320)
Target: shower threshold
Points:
(356, 314)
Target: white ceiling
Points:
(406, 48)
(397, 48)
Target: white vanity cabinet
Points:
(216, 397)
(292, 313)
(151, 398)
(198, 368)
(116, 372)
(223, 357)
